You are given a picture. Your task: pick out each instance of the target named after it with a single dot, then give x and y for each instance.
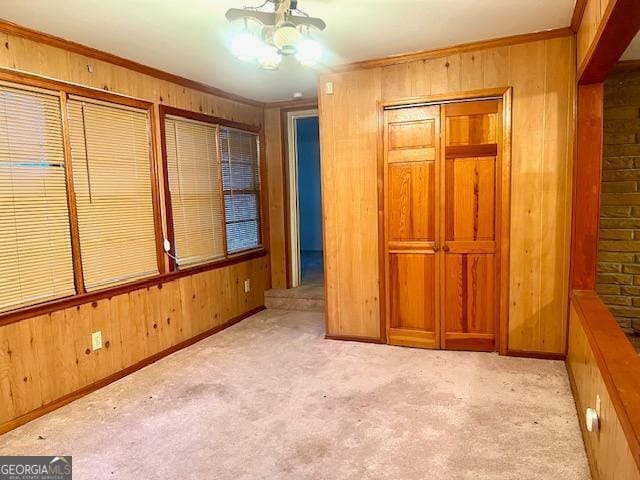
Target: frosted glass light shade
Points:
(285, 37)
(246, 46)
(269, 57)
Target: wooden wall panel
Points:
(609, 453)
(273, 134)
(542, 74)
(46, 357)
(594, 15)
(348, 145)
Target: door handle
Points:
(445, 248)
(436, 247)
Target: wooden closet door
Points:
(469, 304)
(411, 151)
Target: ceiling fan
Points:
(275, 29)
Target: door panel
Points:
(411, 198)
(470, 190)
(469, 246)
(469, 287)
(411, 148)
(412, 280)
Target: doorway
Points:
(305, 204)
(445, 222)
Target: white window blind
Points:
(193, 167)
(35, 241)
(241, 182)
(112, 181)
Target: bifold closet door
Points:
(411, 172)
(469, 304)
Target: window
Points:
(241, 182)
(112, 179)
(193, 169)
(35, 241)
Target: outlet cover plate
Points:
(96, 340)
(247, 286)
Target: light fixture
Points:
(246, 46)
(284, 30)
(285, 37)
(269, 57)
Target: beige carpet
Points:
(269, 398)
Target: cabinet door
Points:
(469, 304)
(411, 171)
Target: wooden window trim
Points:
(24, 313)
(65, 89)
(258, 193)
(213, 120)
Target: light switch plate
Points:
(328, 88)
(247, 286)
(96, 340)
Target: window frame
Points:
(257, 193)
(156, 122)
(165, 111)
(65, 90)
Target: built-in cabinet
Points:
(442, 164)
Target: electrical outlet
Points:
(247, 286)
(96, 340)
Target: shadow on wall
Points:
(309, 196)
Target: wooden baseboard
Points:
(70, 397)
(540, 355)
(348, 338)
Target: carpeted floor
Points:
(271, 399)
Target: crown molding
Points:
(11, 28)
(456, 49)
(296, 103)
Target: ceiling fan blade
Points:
(313, 21)
(269, 18)
(266, 18)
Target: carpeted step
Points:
(305, 298)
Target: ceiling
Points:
(191, 38)
(633, 50)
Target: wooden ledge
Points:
(617, 361)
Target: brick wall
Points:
(619, 247)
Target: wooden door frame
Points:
(286, 177)
(503, 195)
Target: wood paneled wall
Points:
(274, 154)
(610, 455)
(542, 74)
(45, 358)
(592, 18)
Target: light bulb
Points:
(269, 57)
(246, 46)
(286, 37)
(309, 51)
